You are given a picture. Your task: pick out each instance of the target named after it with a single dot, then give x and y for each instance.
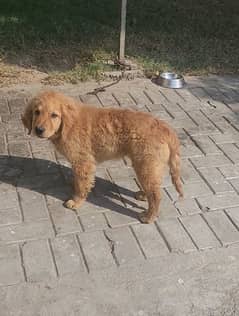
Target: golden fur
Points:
(87, 135)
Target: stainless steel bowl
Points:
(170, 80)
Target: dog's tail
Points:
(174, 164)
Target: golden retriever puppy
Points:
(87, 135)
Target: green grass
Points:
(72, 39)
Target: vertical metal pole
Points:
(122, 30)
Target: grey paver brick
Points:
(124, 245)
(215, 202)
(231, 151)
(216, 180)
(9, 199)
(33, 205)
(202, 130)
(230, 172)
(97, 250)
(19, 149)
(90, 99)
(139, 97)
(207, 146)
(190, 151)
(187, 207)
(150, 240)
(107, 99)
(10, 265)
(124, 99)
(155, 96)
(189, 173)
(210, 161)
(38, 261)
(122, 217)
(191, 190)
(228, 137)
(235, 183)
(4, 106)
(26, 231)
(45, 162)
(233, 213)
(93, 222)
(176, 236)
(223, 227)
(67, 255)
(65, 220)
(200, 232)
(17, 105)
(200, 119)
(166, 207)
(10, 216)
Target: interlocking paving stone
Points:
(223, 227)
(38, 261)
(124, 99)
(67, 255)
(65, 220)
(191, 190)
(235, 184)
(45, 162)
(90, 99)
(122, 217)
(215, 202)
(4, 106)
(10, 265)
(233, 213)
(207, 146)
(10, 216)
(176, 236)
(107, 99)
(200, 232)
(139, 97)
(93, 222)
(150, 240)
(155, 96)
(211, 161)
(26, 231)
(33, 205)
(230, 172)
(9, 199)
(19, 149)
(187, 207)
(231, 151)
(124, 245)
(97, 250)
(216, 180)
(190, 151)
(189, 173)
(17, 105)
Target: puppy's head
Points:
(44, 114)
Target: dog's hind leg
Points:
(149, 173)
(83, 183)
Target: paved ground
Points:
(103, 261)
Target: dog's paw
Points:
(146, 218)
(140, 196)
(70, 204)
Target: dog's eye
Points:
(37, 112)
(54, 115)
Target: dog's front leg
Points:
(83, 182)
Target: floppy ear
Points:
(27, 118)
(68, 116)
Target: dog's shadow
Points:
(54, 180)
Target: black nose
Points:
(39, 130)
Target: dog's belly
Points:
(107, 155)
